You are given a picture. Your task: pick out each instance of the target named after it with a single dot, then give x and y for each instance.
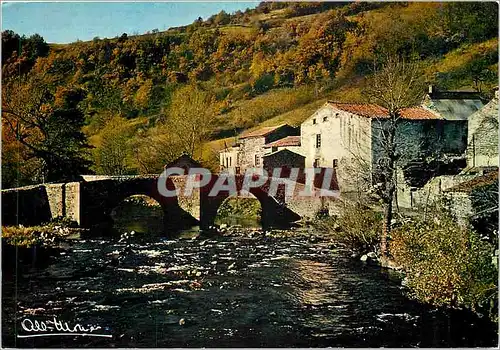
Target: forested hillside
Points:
(131, 104)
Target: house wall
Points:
(254, 146)
(432, 191)
(250, 147)
(283, 159)
(228, 160)
(418, 139)
(344, 137)
(482, 149)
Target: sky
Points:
(65, 22)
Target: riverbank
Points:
(35, 245)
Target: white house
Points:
(347, 136)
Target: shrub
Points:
(46, 233)
(446, 263)
(360, 227)
(357, 227)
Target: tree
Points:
(48, 124)
(10, 44)
(154, 148)
(395, 85)
(190, 118)
(222, 18)
(111, 155)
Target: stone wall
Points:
(284, 158)
(482, 148)
(419, 139)
(72, 201)
(56, 196)
(251, 147)
(416, 198)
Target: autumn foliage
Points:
(135, 89)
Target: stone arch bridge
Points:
(90, 202)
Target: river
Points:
(226, 292)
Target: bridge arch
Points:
(99, 198)
(274, 213)
(240, 209)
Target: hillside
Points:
(144, 99)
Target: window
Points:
(316, 163)
(257, 160)
(314, 121)
(325, 119)
(230, 161)
(274, 149)
(335, 163)
(318, 140)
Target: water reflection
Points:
(244, 210)
(138, 213)
(228, 292)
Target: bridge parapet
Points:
(91, 201)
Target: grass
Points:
(462, 56)
(246, 114)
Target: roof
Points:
(476, 182)
(183, 161)
(285, 142)
(283, 150)
(376, 111)
(485, 117)
(261, 132)
(455, 109)
(436, 94)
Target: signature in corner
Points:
(58, 328)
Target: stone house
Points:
(481, 157)
(291, 143)
(473, 197)
(453, 105)
(347, 137)
(482, 148)
(283, 159)
(249, 150)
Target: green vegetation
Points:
(44, 234)
(138, 213)
(447, 264)
(358, 227)
(239, 210)
(134, 98)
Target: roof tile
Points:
(284, 142)
(260, 132)
(376, 111)
(469, 186)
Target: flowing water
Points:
(226, 292)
